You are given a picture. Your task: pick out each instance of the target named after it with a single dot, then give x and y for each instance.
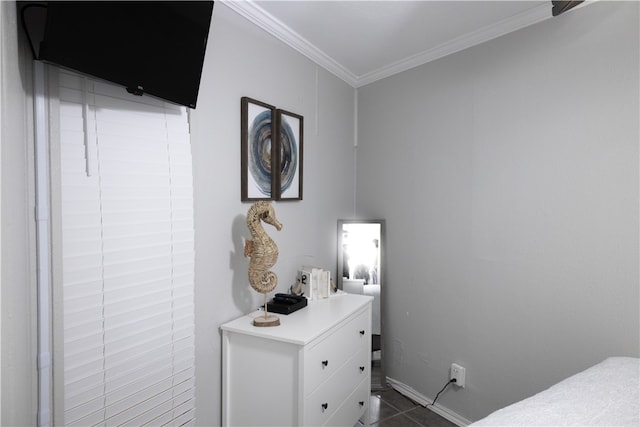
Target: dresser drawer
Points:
(331, 394)
(275, 376)
(323, 359)
(354, 406)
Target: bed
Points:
(604, 395)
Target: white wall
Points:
(19, 382)
(243, 60)
(508, 176)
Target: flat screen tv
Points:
(149, 47)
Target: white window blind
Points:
(128, 257)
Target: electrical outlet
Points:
(458, 373)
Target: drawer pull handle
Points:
(324, 406)
(361, 368)
(361, 403)
(362, 332)
(325, 363)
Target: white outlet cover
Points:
(459, 373)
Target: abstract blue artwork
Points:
(288, 156)
(257, 150)
(260, 159)
(289, 178)
(271, 153)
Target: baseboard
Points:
(423, 400)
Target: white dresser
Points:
(312, 370)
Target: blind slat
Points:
(128, 251)
(119, 365)
(150, 409)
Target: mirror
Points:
(361, 271)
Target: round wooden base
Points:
(268, 320)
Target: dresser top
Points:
(306, 324)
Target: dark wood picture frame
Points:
(288, 155)
(258, 150)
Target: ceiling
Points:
(364, 41)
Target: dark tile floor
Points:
(388, 408)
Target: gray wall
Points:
(243, 60)
(508, 176)
(511, 202)
(19, 382)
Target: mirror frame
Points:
(383, 282)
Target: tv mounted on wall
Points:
(149, 47)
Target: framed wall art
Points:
(258, 127)
(288, 176)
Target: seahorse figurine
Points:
(263, 253)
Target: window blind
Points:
(128, 257)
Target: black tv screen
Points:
(149, 47)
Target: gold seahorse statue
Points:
(263, 253)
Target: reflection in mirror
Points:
(361, 271)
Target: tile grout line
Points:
(398, 411)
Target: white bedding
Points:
(604, 395)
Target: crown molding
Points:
(506, 26)
(254, 13)
(250, 10)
